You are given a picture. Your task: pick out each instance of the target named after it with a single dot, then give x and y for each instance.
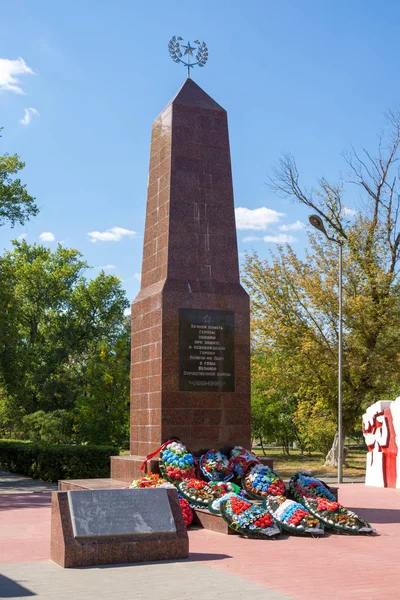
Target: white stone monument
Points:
(381, 429)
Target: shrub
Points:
(51, 463)
(50, 428)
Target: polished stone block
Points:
(69, 551)
(64, 485)
(128, 467)
(102, 513)
(206, 520)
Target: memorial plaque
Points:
(104, 513)
(206, 350)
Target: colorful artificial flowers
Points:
(292, 516)
(150, 480)
(197, 492)
(315, 496)
(215, 466)
(176, 462)
(187, 512)
(241, 459)
(247, 519)
(261, 481)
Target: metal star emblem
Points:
(188, 49)
(207, 319)
(199, 52)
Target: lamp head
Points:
(317, 222)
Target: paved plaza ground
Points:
(219, 566)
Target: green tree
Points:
(316, 425)
(272, 407)
(294, 300)
(102, 407)
(16, 205)
(10, 413)
(54, 321)
(54, 427)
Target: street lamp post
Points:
(317, 222)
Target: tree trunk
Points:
(285, 446)
(331, 459)
(262, 446)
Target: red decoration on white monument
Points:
(381, 429)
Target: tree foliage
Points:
(272, 407)
(53, 427)
(54, 325)
(102, 406)
(16, 205)
(295, 301)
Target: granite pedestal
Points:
(100, 539)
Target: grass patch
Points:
(286, 466)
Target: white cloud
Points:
(115, 234)
(29, 113)
(21, 237)
(348, 211)
(107, 268)
(47, 236)
(127, 312)
(292, 226)
(252, 238)
(257, 218)
(8, 71)
(138, 276)
(280, 238)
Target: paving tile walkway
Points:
(180, 580)
(24, 527)
(10, 483)
(334, 567)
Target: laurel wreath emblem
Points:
(177, 51)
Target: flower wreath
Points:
(241, 459)
(215, 466)
(303, 483)
(247, 519)
(187, 512)
(220, 491)
(176, 462)
(312, 494)
(151, 480)
(261, 481)
(292, 516)
(198, 493)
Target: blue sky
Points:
(307, 77)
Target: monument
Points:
(381, 429)
(190, 371)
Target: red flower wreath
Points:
(186, 511)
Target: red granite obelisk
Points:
(190, 372)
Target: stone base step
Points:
(65, 485)
(206, 520)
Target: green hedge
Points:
(51, 463)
